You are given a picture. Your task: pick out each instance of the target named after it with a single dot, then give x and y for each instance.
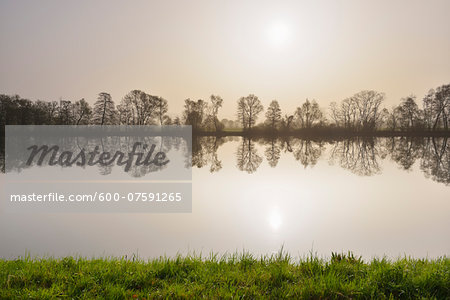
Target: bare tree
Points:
(65, 114)
(360, 112)
(138, 108)
(104, 110)
(393, 119)
(242, 113)
(212, 120)
(248, 110)
(335, 113)
(194, 113)
(273, 115)
(45, 113)
(82, 112)
(344, 114)
(162, 108)
(308, 114)
(437, 107)
(124, 114)
(368, 108)
(409, 113)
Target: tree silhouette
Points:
(273, 115)
(82, 112)
(248, 110)
(360, 112)
(212, 122)
(368, 107)
(162, 107)
(409, 113)
(104, 110)
(216, 103)
(139, 108)
(65, 113)
(345, 113)
(393, 119)
(242, 113)
(437, 107)
(194, 113)
(308, 114)
(46, 113)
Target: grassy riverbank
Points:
(241, 276)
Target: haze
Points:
(289, 51)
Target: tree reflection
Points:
(436, 160)
(307, 152)
(360, 156)
(248, 159)
(212, 144)
(163, 144)
(199, 154)
(273, 152)
(405, 150)
(286, 145)
(204, 152)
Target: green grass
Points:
(237, 276)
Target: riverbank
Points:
(241, 276)
(324, 133)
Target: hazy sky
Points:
(284, 50)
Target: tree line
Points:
(363, 111)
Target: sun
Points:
(279, 33)
(275, 220)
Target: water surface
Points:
(384, 196)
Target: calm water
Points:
(375, 197)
